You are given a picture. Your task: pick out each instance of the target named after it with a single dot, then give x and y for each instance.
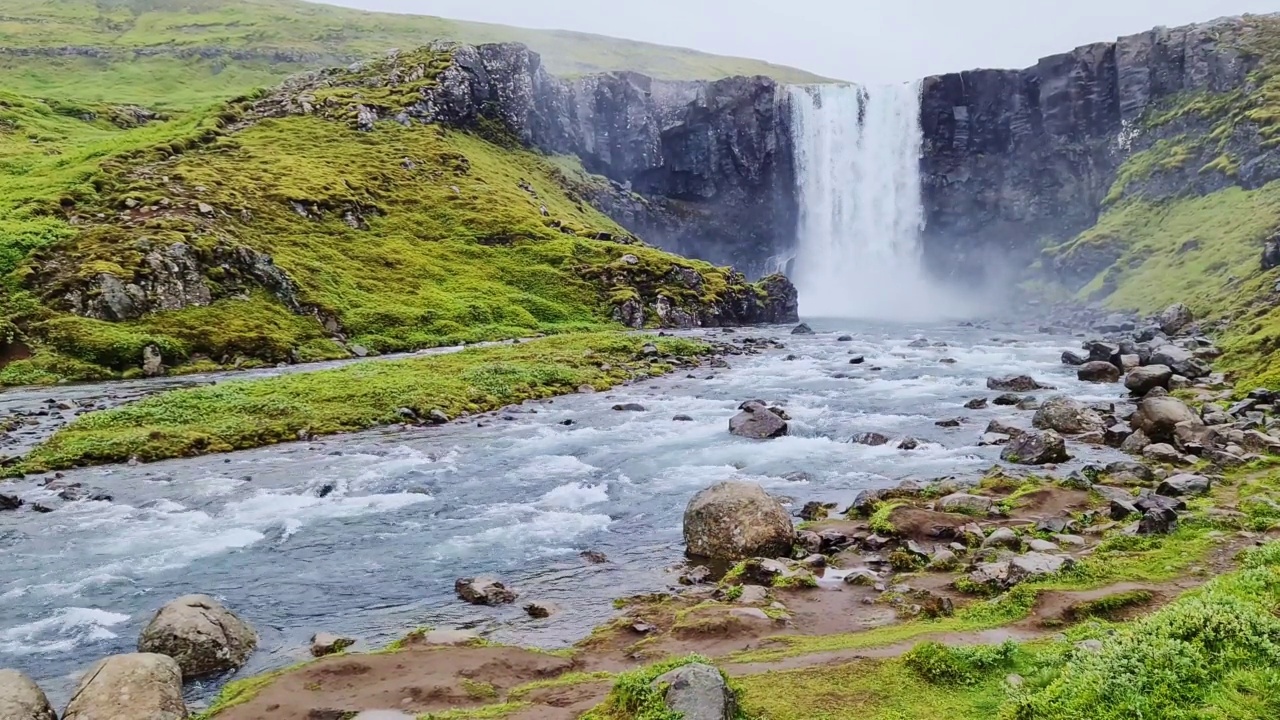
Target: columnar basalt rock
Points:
(1013, 157)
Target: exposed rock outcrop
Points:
(199, 633)
(1013, 156)
(22, 699)
(733, 521)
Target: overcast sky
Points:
(861, 40)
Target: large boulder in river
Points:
(1015, 383)
(22, 699)
(202, 635)
(1175, 319)
(1158, 417)
(1036, 448)
(484, 590)
(1142, 380)
(1098, 371)
(142, 686)
(1181, 361)
(697, 692)
(734, 521)
(758, 422)
(1067, 416)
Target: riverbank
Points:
(238, 415)
(1092, 638)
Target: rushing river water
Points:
(364, 534)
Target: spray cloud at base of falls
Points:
(857, 159)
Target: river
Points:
(364, 534)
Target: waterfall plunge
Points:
(858, 181)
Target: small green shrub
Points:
(944, 664)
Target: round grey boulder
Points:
(1175, 319)
(1066, 415)
(1158, 416)
(22, 699)
(199, 633)
(1142, 380)
(141, 686)
(733, 521)
(697, 692)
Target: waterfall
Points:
(857, 155)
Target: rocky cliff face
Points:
(703, 169)
(1017, 158)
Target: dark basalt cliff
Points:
(1015, 159)
(703, 169)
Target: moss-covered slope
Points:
(229, 237)
(187, 53)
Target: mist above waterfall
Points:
(861, 213)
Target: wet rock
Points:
(733, 521)
(908, 443)
(976, 404)
(950, 423)
(1129, 473)
(540, 610)
(862, 577)
(802, 329)
(757, 422)
(995, 426)
(1036, 565)
(1003, 538)
(204, 637)
(813, 510)
(1181, 361)
(943, 559)
(989, 439)
(1055, 525)
(1098, 372)
(1115, 435)
(141, 686)
(1184, 484)
(845, 338)
(22, 699)
(857, 360)
(1142, 380)
(10, 502)
(965, 503)
(1066, 415)
(323, 644)
(697, 692)
(1103, 352)
(681, 418)
(437, 417)
(594, 557)
(152, 362)
(1158, 417)
(629, 407)
(1036, 448)
(1122, 508)
(1163, 453)
(484, 590)
(1158, 522)
(872, 439)
(1015, 383)
(1135, 443)
(1070, 358)
(1029, 403)
(1007, 400)
(1175, 318)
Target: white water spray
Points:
(861, 213)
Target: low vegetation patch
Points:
(634, 696)
(245, 414)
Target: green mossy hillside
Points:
(396, 239)
(244, 414)
(182, 54)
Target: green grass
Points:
(245, 414)
(273, 39)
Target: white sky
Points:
(861, 40)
